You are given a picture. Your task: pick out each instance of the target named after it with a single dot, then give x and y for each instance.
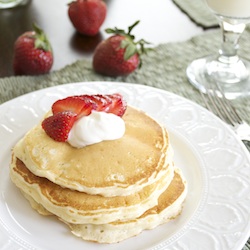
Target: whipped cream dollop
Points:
(96, 127)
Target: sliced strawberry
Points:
(118, 106)
(86, 109)
(101, 102)
(113, 103)
(82, 105)
(71, 103)
(66, 111)
(59, 125)
(74, 104)
(108, 102)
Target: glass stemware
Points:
(6, 4)
(226, 68)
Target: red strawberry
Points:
(59, 125)
(32, 53)
(82, 105)
(87, 16)
(66, 111)
(118, 106)
(119, 54)
(74, 104)
(107, 103)
(102, 102)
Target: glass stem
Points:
(231, 33)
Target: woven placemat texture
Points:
(164, 67)
(198, 12)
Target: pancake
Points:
(105, 192)
(81, 208)
(111, 168)
(169, 207)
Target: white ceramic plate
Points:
(215, 163)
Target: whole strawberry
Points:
(87, 16)
(32, 53)
(119, 55)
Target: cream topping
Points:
(96, 127)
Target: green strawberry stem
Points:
(41, 40)
(131, 47)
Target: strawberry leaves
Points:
(131, 47)
(120, 54)
(41, 40)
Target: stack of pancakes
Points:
(105, 192)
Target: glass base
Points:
(203, 72)
(7, 4)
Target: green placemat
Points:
(164, 67)
(198, 12)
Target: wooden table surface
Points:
(161, 21)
